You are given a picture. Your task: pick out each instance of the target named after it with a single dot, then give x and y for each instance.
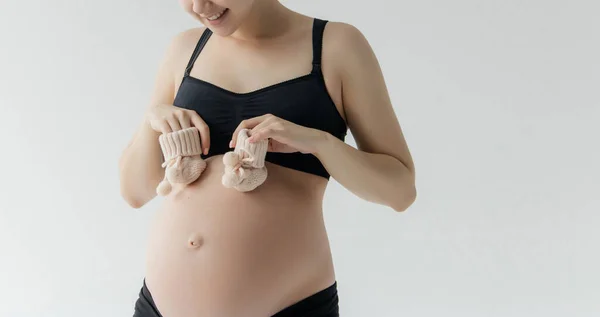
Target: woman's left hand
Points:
(284, 136)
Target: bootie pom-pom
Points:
(231, 159)
(164, 188)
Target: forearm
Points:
(377, 178)
(140, 169)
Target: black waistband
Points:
(321, 304)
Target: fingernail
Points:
(205, 151)
(230, 143)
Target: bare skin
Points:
(216, 252)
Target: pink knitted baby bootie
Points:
(245, 166)
(183, 163)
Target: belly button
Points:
(195, 241)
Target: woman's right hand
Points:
(166, 118)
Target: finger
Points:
(202, 129)
(260, 126)
(164, 127)
(174, 123)
(247, 124)
(259, 131)
(264, 133)
(183, 118)
(272, 127)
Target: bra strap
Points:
(317, 39)
(199, 46)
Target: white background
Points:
(499, 101)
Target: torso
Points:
(253, 253)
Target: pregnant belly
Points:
(215, 252)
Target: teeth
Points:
(216, 16)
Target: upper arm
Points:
(169, 72)
(365, 98)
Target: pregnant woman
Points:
(297, 84)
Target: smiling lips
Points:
(215, 16)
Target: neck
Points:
(267, 19)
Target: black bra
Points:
(303, 100)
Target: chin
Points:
(223, 32)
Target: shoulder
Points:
(345, 45)
(179, 49)
(345, 37)
(185, 41)
(347, 33)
